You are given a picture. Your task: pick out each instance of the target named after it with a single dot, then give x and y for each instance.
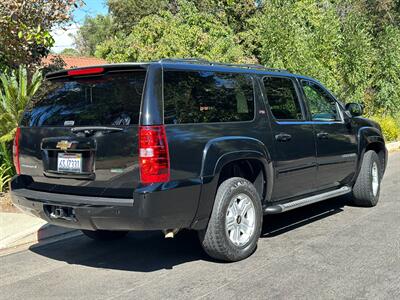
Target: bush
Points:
(390, 127)
(16, 90)
(7, 170)
(397, 120)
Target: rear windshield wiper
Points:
(93, 129)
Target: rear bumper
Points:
(155, 210)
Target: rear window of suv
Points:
(205, 97)
(112, 99)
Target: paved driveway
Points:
(327, 250)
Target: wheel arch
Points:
(370, 138)
(222, 153)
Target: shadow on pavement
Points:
(149, 251)
(274, 225)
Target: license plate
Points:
(69, 162)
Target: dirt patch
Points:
(6, 204)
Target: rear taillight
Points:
(16, 151)
(153, 154)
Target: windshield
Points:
(112, 99)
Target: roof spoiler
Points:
(93, 70)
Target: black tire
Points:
(104, 235)
(214, 239)
(363, 192)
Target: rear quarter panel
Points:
(199, 151)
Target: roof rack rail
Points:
(211, 63)
(185, 60)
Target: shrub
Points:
(16, 90)
(390, 127)
(397, 119)
(6, 167)
(5, 176)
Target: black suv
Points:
(189, 144)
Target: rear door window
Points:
(112, 99)
(282, 98)
(204, 97)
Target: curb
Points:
(393, 146)
(37, 235)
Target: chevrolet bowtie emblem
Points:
(63, 145)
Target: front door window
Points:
(322, 106)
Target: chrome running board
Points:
(279, 208)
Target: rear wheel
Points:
(104, 235)
(235, 223)
(367, 187)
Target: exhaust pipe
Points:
(57, 213)
(170, 233)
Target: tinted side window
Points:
(282, 98)
(322, 106)
(201, 97)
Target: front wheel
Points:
(367, 187)
(104, 235)
(235, 223)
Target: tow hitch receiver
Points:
(60, 212)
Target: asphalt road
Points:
(324, 251)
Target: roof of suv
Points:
(194, 63)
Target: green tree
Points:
(387, 80)
(127, 13)
(189, 33)
(357, 54)
(300, 36)
(233, 13)
(70, 52)
(93, 32)
(25, 28)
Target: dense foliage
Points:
(25, 28)
(352, 46)
(70, 52)
(94, 31)
(189, 33)
(6, 167)
(16, 90)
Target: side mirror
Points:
(355, 109)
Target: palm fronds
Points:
(6, 167)
(15, 93)
(5, 176)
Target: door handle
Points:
(283, 137)
(322, 135)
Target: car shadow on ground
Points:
(274, 225)
(149, 251)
